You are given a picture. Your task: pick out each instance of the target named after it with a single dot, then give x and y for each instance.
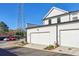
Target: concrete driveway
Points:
(24, 51)
(34, 52)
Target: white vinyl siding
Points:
(55, 12)
(51, 35)
(45, 22)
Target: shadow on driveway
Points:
(4, 52)
(34, 52)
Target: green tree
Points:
(3, 27)
(19, 33)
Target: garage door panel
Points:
(70, 38)
(40, 38)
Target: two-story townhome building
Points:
(59, 26)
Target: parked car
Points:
(2, 38)
(5, 39)
(11, 38)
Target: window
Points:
(49, 21)
(75, 18)
(58, 20)
(75, 13)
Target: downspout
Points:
(57, 41)
(26, 35)
(57, 34)
(69, 17)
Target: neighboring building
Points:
(31, 25)
(59, 26)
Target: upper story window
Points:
(75, 18)
(75, 13)
(58, 20)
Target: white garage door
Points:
(40, 38)
(69, 38)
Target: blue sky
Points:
(33, 12)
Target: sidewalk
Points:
(36, 46)
(67, 50)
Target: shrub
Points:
(19, 34)
(56, 45)
(23, 42)
(49, 47)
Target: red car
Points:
(11, 38)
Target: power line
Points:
(20, 21)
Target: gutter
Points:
(53, 24)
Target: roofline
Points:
(60, 9)
(51, 11)
(54, 24)
(31, 23)
(61, 14)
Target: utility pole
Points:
(21, 20)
